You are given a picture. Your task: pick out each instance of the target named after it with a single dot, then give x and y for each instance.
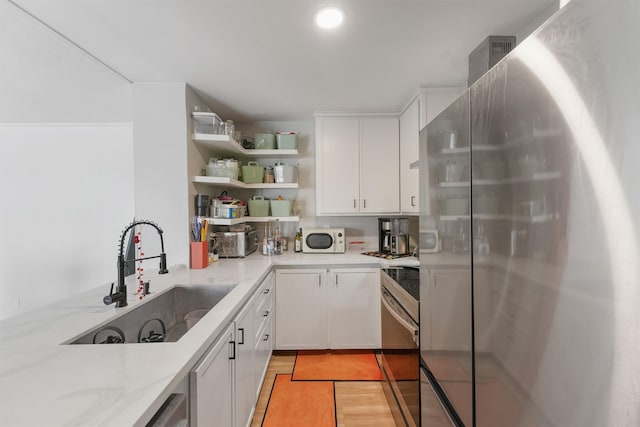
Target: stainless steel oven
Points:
(399, 357)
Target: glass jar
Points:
(269, 177)
(212, 167)
(221, 169)
(229, 128)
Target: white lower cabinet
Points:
(320, 308)
(301, 309)
(225, 384)
(245, 375)
(212, 384)
(354, 308)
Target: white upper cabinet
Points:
(337, 165)
(357, 165)
(409, 179)
(427, 104)
(379, 154)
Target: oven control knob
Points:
(339, 234)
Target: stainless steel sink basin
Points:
(161, 318)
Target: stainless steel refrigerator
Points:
(530, 314)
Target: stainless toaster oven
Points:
(236, 244)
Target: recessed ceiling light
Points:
(329, 17)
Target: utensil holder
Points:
(199, 254)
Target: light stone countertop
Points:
(46, 383)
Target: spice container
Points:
(269, 176)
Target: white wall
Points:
(66, 192)
(161, 174)
(45, 78)
(66, 180)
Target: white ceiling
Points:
(265, 60)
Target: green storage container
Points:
(252, 173)
(264, 141)
(281, 207)
(258, 206)
(287, 141)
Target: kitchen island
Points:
(44, 381)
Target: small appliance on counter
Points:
(323, 240)
(393, 236)
(384, 235)
(236, 244)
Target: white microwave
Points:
(323, 240)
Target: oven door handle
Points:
(409, 326)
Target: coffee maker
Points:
(393, 236)
(384, 235)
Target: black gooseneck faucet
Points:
(120, 296)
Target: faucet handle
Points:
(119, 297)
(109, 298)
(163, 264)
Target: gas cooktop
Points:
(407, 277)
(386, 255)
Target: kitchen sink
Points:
(159, 319)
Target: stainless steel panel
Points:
(555, 173)
(432, 413)
(445, 307)
(554, 226)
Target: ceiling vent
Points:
(487, 54)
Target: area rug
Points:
(300, 403)
(336, 365)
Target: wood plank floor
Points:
(358, 403)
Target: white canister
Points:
(285, 173)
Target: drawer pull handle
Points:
(266, 313)
(266, 291)
(233, 347)
(266, 338)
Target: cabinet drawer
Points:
(262, 352)
(262, 316)
(264, 294)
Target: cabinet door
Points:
(212, 385)
(354, 308)
(245, 375)
(409, 179)
(301, 310)
(263, 349)
(379, 165)
(337, 167)
(450, 310)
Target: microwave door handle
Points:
(408, 326)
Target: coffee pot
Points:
(384, 235)
(393, 236)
